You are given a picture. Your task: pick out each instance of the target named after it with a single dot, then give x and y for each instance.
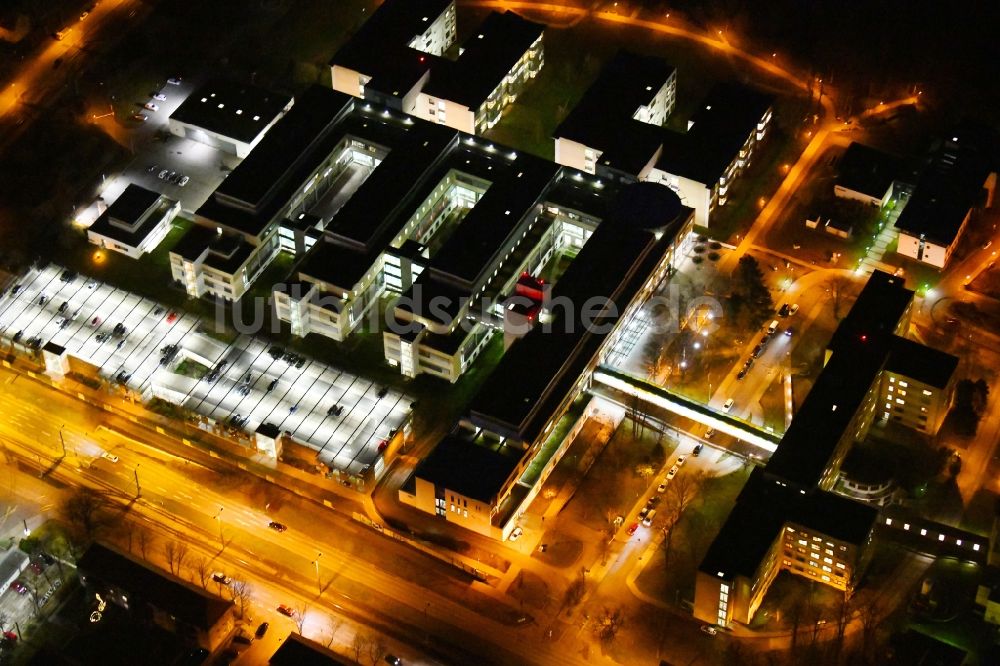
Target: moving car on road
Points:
(276, 526)
(516, 534)
(285, 610)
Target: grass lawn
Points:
(613, 484)
(773, 404)
(147, 276)
(757, 183)
(692, 536)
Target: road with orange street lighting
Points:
(412, 598)
(52, 66)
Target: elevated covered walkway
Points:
(677, 404)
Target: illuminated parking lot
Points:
(343, 417)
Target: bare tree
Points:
(300, 616)
(843, 619)
(128, 531)
(868, 612)
(838, 288)
(145, 540)
(680, 492)
(200, 566)
(86, 512)
(376, 649)
(175, 553)
(335, 624)
(359, 646)
(608, 624)
(242, 593)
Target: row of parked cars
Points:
(786, 310)
(648, 512)
(169, 176)
(152, 104)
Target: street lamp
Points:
(62, 440)
(218, 517)
(319, 584)
(138, 490)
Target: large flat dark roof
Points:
(472, 469)
(821, 422)
(867, 170)
(192, 244)
(366, 221)
(880, 306)
(921, 363)
(132, 204)
(256, 189)
(488, 57)
(581, 195)
(951, 184)
(380, 47)
(860, 346)
(188, 603)
(124, 220)
(538, 371)
(764, 507)
(481, 236)
(603, 118)
(237, 110)
(726, 118)
(299, 651)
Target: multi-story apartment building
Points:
(471, 93)
(723, 137)
(615, 129)
(615, 132)
(398, 59)
(916, 387)
(787, 517)
(479, 477)
(773, 528)
(959, 178)
(294, 162)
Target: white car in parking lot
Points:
(150, 106)
(516, 534)
(160, 97)
(673, 472)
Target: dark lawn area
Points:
(147, 276)
(613, 484)
(693, 535)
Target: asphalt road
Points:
(412, 598)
